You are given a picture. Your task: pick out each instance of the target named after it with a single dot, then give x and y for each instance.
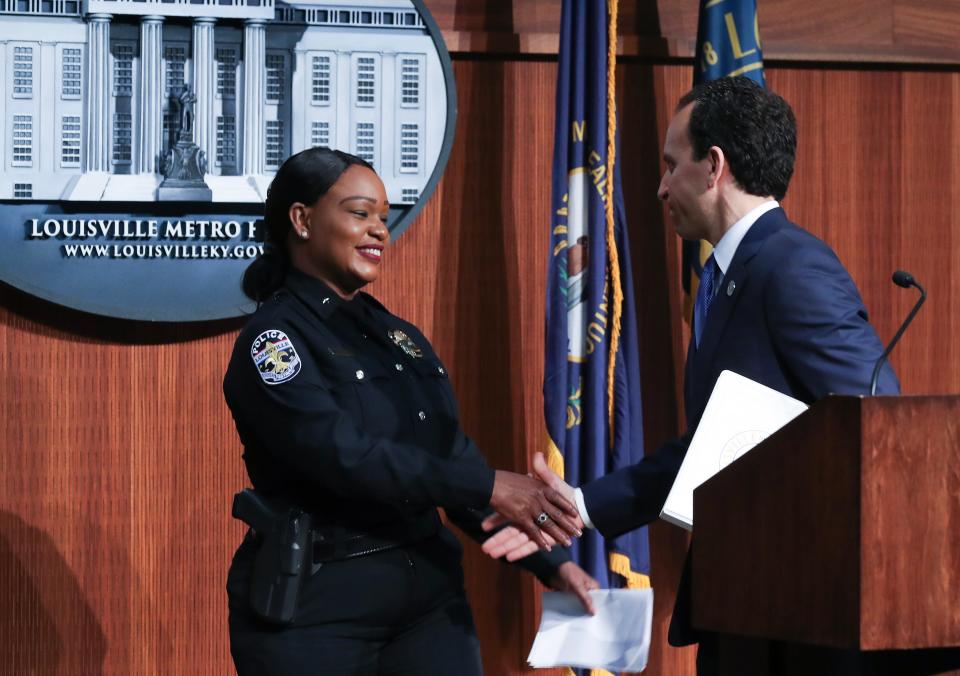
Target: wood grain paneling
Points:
(935, 23)
(118, 457)
(882, 31)
(804, 507)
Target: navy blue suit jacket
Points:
(788, 315)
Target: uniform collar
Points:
(317, 295)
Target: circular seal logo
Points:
(108, 229)
(275, 357)
(738, 445)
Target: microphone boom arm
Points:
(896, 337)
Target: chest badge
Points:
(403, 341)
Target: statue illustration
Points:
(186, 99)
(185, 163)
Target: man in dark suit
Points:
(774, 303)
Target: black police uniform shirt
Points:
(346, 411)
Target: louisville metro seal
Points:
(275, 357)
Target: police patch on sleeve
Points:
(275, 357)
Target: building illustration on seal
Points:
(94, 94)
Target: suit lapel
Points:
(729, 293)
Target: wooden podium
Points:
(838, 535)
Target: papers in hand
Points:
(617, 638)
(740, 414)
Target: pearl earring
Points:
(304, 234)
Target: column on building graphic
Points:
(204, 85)
(254, 56)
(98, 93)
(150, 127)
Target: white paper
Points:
(617, 638)
(739, 415)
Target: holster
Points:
(284, 558)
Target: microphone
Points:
(905, 280)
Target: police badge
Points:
(275, 357)
(404, 343)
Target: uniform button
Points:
(423, 416)
(440, 369)
(399, 367)
(326, 300)
(359, 375)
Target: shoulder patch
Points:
(275, 357)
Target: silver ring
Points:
(542, 518)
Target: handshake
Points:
(537, 511)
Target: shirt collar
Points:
(313, 292)
(727, 246)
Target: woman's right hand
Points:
(520, 499)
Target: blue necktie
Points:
(705, 294)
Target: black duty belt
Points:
(333, 544)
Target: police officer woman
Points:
(345, 412)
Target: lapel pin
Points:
(731, 287)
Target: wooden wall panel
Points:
(876, 178)
(866, 31)
(118, 457)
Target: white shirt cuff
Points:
(582, 508)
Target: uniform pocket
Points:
(367, 391)
(434, 376)
(338, 371)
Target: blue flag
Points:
(594, 423)
(728, 41)
(728, 45)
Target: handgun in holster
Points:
(285, 555)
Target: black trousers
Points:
(402, 612)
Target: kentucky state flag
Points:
(593, 420)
